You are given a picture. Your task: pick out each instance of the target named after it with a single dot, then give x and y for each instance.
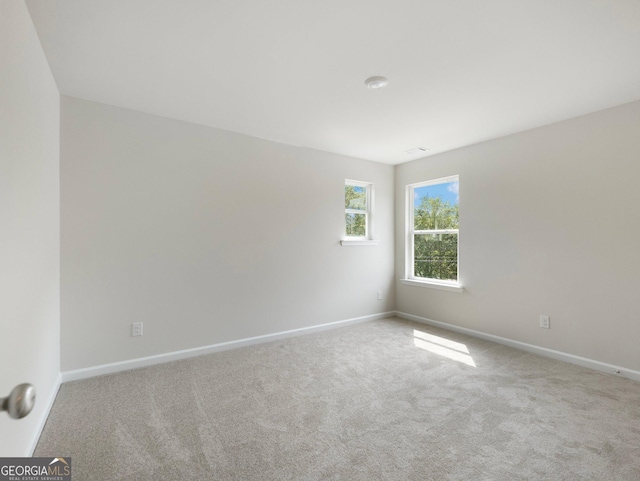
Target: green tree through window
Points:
(356, 205)
(434, 231)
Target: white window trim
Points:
(372, 242)
(410, 278)
(367, 239)
(433, 284)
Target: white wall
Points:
(29, 224)
(205, 235)
(549, 224)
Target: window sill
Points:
(363, 242)
(445, 286)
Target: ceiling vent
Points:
(416, 151)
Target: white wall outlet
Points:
(136, 329)
(379, 295)
(544, 322)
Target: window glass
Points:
(357, 209)
(436, 256)
(355, 197)
(436, 206)
(356, 225)
(433, 230)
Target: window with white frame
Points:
(432, 233)
(358, 197)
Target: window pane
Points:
(355, 197)
(356, 225)
(436, 206)
(436, 256)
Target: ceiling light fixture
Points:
(376, 82)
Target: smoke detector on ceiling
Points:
(376, 82)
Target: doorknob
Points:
(20, 401)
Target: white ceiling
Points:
(293, 71)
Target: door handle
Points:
(20, 401)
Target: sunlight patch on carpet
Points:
(443, 347)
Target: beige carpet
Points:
(384, 400)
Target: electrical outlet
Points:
(136, 329)
(545, 322)
(379, 295)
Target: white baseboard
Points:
(43, 417)
(542, 351)
(199, 351)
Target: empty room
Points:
(296, 240)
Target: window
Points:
(432, 234)
(358, 201)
